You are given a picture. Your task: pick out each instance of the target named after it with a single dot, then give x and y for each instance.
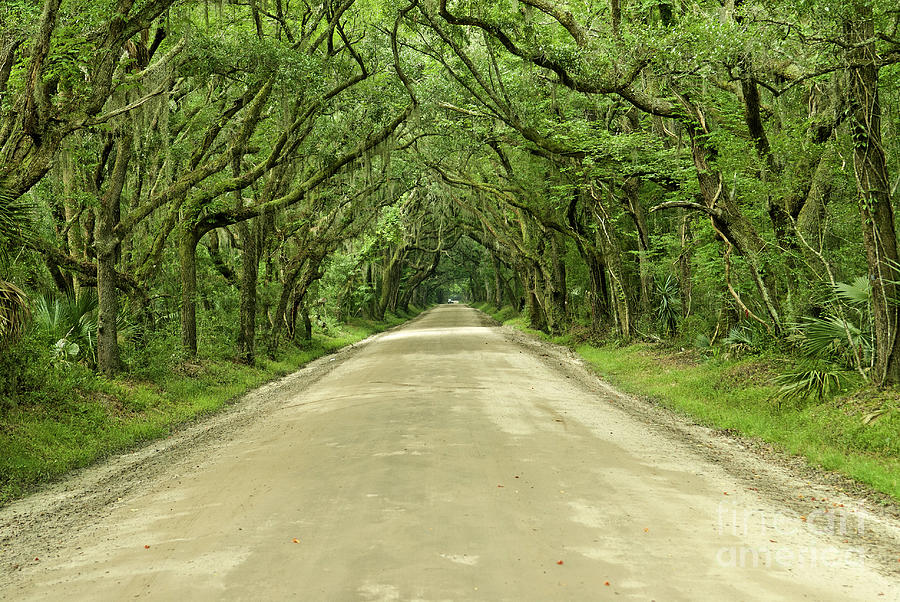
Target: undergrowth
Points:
(59, 416)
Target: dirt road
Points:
(444, 461)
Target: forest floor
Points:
(447, 459)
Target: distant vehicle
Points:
(452, 300)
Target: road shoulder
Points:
(759, 467)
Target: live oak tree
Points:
(693, 95)
(651, 169)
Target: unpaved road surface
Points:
(445, 460)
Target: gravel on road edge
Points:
(787, 479)
(81, 497)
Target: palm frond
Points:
(16, 217)
(740, 338)
(818, 382)
(69, 323)
(14, 312)
(830, 335)
(857, 293)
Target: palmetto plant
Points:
(16, 217)
(16, 223)
(69, 324)
(746, 338)
(817, 381)
(843, 333)
(833, 342)
(14, 312)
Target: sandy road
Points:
(443, 461)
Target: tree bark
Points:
(634, 209)
(413, 283)
(607, 241)
(249, 275)
(107, 245)
(615, 17)
(307, 322)
(685, 280)
(537, 319)
(875, 208)
(557, 315)
(599, 293)
(811, 219)
(74, 239)
(733, 225)
(282, 316)
(498, 281)
(188, 256)
(390, 283)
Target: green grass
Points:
(739, 394)
(77, 417)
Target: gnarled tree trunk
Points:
(249, 274)
(107, 246)
(187, 250)
(875, 207)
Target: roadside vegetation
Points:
(851, 428)
(197, 182)
(62, 415)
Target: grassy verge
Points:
(737, 394)
(76, 417)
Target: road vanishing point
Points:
(448, 459)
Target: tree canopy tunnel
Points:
(241, 173)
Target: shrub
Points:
(818, 381)
(25, 367)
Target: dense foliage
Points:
(184, 175)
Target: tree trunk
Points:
(634, 209)
(732, 224)
(812, 216)
(299, 308)
(537, 319)
(510, 294)
(498, 282)
(107, 245)
(390, 284)
(215, 254)
(188, 255)
(108, 360)
(875, 208)
(74, 239)
(599, 293)
(607, 241)
(685, 280)
(557, 316)
(413, 283)
(307, 322)
(249, 274)
(615, 17)
(282, 317)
